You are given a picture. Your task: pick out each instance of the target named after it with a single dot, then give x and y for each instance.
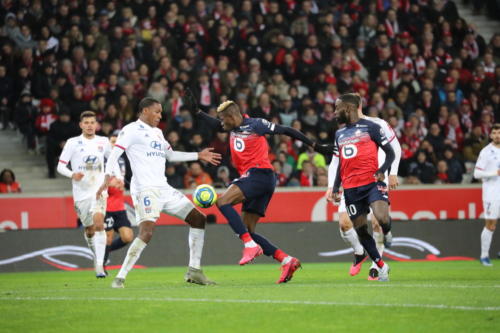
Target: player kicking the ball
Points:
(86, 154)
(357, 145)
(147, 151)
(488, 170)
(347, 232)
(255, 187)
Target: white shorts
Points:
(85, 209)
(150, 203)
(491, 210)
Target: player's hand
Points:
(379, 176)
(325, 149)
(329, 194)
(337, 196)
(393, 182)
(103, 187)
(208, 156)
(77, 176)
(190, 101)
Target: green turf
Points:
(421, 297)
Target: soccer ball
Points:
(204, 196)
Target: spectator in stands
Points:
(422, 169)
(442, 172)
(8, 182)
(196, 176)
(60, 131)
(455, 168)
(173, 176)
(25, 116)
(413, 62)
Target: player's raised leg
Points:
(225, 203)
(486, 236)
(288, 263)
(197, 221)
(350, 237)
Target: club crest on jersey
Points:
(155, 145)
(357, 133)
(100, 148)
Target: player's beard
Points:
(342, 118)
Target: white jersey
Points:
(489, 162)
(86, 156)
(147, 151)
(390, 135)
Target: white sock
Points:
(379, 242)
(486, 236)
(100, 246)
(196, 240)
(350, 237)
(90, 243)
(286, 260)
(250, 244)
(133, 254)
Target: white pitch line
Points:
(257, 301)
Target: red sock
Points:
(246, 237)
(380, 263)
(279, 255)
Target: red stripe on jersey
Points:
(479, 168)
(64, 162)
(120, 147)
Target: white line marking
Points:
(256, 301)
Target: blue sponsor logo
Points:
(90, 159)
(156, 145)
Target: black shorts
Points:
(358, 199)
(258, 187)
(116, 220)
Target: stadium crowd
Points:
(416, 64)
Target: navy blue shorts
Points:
(116, 220)
(258, 187)
(358, 199)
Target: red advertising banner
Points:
(424, 203)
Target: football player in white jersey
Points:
(488, 170)
(86, 154)
(347, 231)
(147, 151)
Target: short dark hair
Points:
(495, 127)
(351, 98)
(87, 114)
(146, 102)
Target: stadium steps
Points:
(486, 27)
(30, 170)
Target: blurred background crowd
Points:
(416, 63)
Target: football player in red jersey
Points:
(357, 147)
(255, 187)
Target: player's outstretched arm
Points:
(206, 155)
(481, 174)
(209, 156)
(293, 133)
(192, 105)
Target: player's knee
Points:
(127, 238)
(491, 226)
(345, 223)
(109, 240)
(89, 231)
(362, 231)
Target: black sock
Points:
(368, 243)
(106, 254)
(266, 246)
(117, 243)
(386, 227)
(234, 219)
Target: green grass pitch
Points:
(421, 297)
